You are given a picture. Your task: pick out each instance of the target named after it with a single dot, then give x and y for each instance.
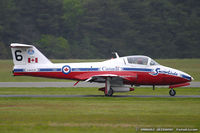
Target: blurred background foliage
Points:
(95, 28)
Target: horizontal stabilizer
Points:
(17, 45)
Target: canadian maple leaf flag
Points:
(32, 60)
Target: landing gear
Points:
(110, 92)
(172, 92)
(153, 87)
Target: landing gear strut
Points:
(172, 92)
(108, 90)
(153, 87)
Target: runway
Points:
(67, 84)
(114, 96)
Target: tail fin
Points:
(27, 55)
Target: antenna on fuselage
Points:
(116, 54)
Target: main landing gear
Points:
(108, 90)
(109, 93)
(172, 92)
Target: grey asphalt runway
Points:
(66, 84)
(68, 96)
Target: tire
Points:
(110, 93)
(172, 92)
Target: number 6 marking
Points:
(17, 56)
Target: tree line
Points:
(96, 28)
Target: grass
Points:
(190, 66)
(117, 115)
(96, 114)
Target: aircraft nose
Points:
(187, 76)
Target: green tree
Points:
(54, 47)
(95, 28)
(8, 21)
(4, 54)
(72, 12)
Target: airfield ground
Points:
(97, 114)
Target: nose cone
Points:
(183, 75)
(178, 76)
(187, 76)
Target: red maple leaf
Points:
(66, 69)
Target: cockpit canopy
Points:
(141, 60)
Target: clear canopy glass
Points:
(152, 63)
(141, 60)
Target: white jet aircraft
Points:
(115, 73)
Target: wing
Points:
(117, 77)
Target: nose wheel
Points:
(172, 92)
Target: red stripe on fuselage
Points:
(143, 78)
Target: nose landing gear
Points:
(172, 92)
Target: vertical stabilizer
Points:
(27, 55)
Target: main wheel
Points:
(110, 92)
(172, 92)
